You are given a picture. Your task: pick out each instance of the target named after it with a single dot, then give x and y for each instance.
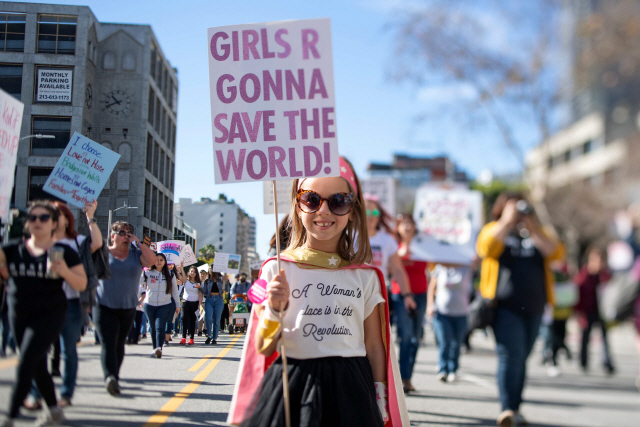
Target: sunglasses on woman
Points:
(41, 218)
(123, 233)
(310, 202)
(373, 212)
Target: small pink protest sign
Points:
(272, 101)
(258, 291)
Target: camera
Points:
(524, 208)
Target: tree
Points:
(207, 253)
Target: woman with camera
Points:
(516, 253)
(38, 305)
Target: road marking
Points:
(13, 361)
(201, 362)
(9, 363)
(174, 403)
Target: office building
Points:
(109, 82)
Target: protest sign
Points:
(187, 256)
(284, 196)
(255, 265)
(9, 139)
(226, 263)
(272, 101)
(81, 172)
(449, 220)
(204, 267)
(258, 291)
(384, 188)
(171, 250)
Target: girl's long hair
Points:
(385, 218)
(165, 272)
(70, 231)
(197, 279)
(354, 244)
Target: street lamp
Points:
(38, 136)
(117, 209)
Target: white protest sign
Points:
(449, 221)
(226, 263)
(384, 188)
(272, 101)
(187, 256)
(171, 250)
(204, 267)
(54, 85)
(284, 196)
(82, 171)
(255, 265)
(10, 125)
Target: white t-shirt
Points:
(383, 246)
(191, 292)
(68, 290)
(327, 309)
(452, 289)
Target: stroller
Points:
(239, 314)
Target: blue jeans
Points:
(213, 307)
(177, 325)
(450, 332)
(68, 341)
(169, 326)
(157, 322)
(143, 328)
(7, 337)
(409, 331)
(515, 336)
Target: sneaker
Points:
(442, 376)
(144, 336)
(452, 377)
(183, 341)
(208, 341)
(609, 369)
(554, 371)
(55, 373)
(175, 335)
(50, 417)
(190, 342)
(32, 404)
(407, 386)
(520, 420)
(64, 402)
(158, 353)
(506, 419)
(199, 334)
(214, 342)
(6, 422)
(111, 384)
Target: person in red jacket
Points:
(590, 277)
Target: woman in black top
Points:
(38, 305)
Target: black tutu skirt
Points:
(325, 392)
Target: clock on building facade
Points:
(117, 102)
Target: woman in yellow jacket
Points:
(515, 273)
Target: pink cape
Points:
(254, 365)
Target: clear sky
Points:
(375, 117)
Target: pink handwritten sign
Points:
(10, 122)
(258, 291)
(272, 101)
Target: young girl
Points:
(191, 304)
(335, 327)
(161, 288)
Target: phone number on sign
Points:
(66, 98)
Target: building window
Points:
(11, 79)
(221, 239)
(147, 199)
(167, 173)
(154, 204)
(156, 160)
(109, 61)
(152, 70)
(163, 126)
(59, 127)
(128, 61)
(173, 171)
(221, 214)
(221, 231)
(37, 178)
(152, 104)
(161, 168)
(149, 152)
(12, 32)
(221, 224)
(219, 247)
(57, 34)
(158, 115)
(587, 147)
(145, 231)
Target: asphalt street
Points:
(193, 386)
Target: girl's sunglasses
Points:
(373, 212)
(310, 202)
(123, 232)
(41, 218)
